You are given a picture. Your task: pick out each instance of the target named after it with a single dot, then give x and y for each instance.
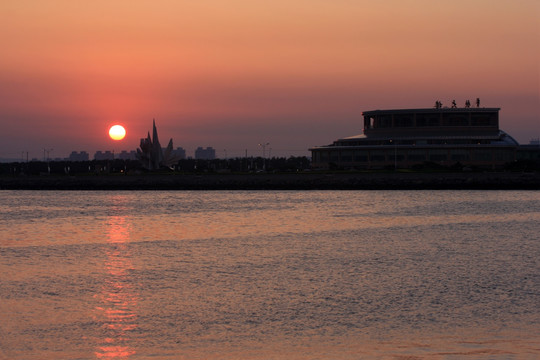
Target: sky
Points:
(235, 74)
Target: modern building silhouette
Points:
(405, 137)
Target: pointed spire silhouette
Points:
(151, 154)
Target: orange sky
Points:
(232, 74)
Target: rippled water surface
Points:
(270, 275)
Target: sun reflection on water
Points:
(118, 298)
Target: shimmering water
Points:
(270, 275)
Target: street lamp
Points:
(48, 151)
(263, 145)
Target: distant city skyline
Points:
(206, 153)
(232, 75)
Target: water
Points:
(270, 275)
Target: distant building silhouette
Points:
(78, 156)
(180, 153)
(205, 154)
(107, 155)
(124, 155)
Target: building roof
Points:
(429, 110)
(489, 134)
(499, 138)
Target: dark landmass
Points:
(284, 181)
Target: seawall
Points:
(293, 181)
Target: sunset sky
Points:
(233, 74)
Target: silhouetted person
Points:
(477, 102)
(454, 104)
(467, 104)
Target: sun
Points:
(117, 132)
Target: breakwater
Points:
(292, 181)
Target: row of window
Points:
(415, 155)
(431, 120)
(414, 142)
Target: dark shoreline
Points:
(292, 181)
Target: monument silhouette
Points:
(152, 156)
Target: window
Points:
(377, 156)
(484, 119)
(398, 155)
(416, 155)
(324, 156)
(455, 119)
(427, 120)
(346, 156)
(383, 121)
(438, 155)
(504, 155)
(361, 156)
(481, 155)
(403, 121)
(368, 122)
(459, 155)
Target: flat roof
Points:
(430, 110)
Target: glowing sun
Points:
(117, 132)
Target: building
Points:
(180, 153)
(107, 155)
(530, 152)
(125, 155)
(406, 137)
(78, 156)
(205, 154)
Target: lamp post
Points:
(48, 151)
(263, 145)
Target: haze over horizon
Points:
(231, 75)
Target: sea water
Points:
(269, 275)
